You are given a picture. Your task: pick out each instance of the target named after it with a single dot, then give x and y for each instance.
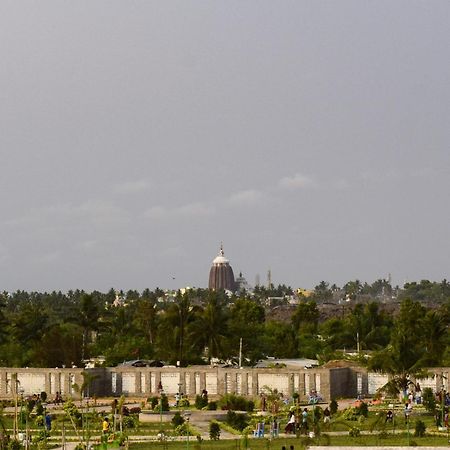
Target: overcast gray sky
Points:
(311, 137)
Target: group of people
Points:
(300, 422)
(58, 398)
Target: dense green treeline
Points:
(55, 329)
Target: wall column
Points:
(244, 383)
(181, 382)
(220, 382)
(147, 386)
(3, 378)
(192, 386)
(58, 381)
(157, 381)
(255, 383)
(202, 381)
(48, 384)
(137, 383)
(301, 385)
(291, 384)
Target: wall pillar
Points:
(157, 381)
(291, 384)
(67, 386)
(192, 386)
(301, 385)
(48, 384)
(58, 381)
(244, 383)
(255, 383)
(3, 378)
(181, 382)
(233, 382)
(147, 387)
(137, 383)
(220, 382)
(202, 381)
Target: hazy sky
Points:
(311, 137)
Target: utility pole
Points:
(240, 353)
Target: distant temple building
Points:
(241, 284)
(221, 275)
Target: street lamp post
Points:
(313, 400)
(21, 391)
(161, 393)
(186, 416)
(21, 435)
(16, 392)
(407, 425)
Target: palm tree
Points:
(404, 357)
(209, 329)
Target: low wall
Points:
(144, 381)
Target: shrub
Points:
(363, 409)
(39, 420)
(165, 402)
(42, 435)
(184, 403)
(350, 414)
(354, 432)
(200, 401)
(420, 429)
(333, 407)
(153, 401)
(30, 404)
(317, 414)
(183, 430)
(212, 406)
(39, 409)
(129, 422)
(236, 403)
(214, 431)
(237, 421)
(135, 410)
(429, 400)
(120, 438)
(14, 445)
(177, 419)
(70, 408)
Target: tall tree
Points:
(208, 331)
(247, 323)
(404, 356)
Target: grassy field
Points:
(266, 444)
(374, 431)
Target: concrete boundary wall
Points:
(343, 382)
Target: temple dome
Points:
(221, 275)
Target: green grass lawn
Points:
(276, 444)
(374, 423)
